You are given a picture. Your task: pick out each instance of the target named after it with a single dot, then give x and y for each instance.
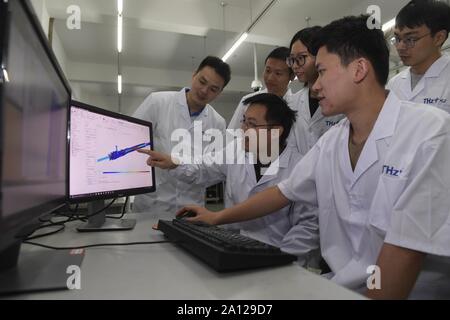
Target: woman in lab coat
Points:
(420, 32)
(379, 179)
(293, 228)
(311, 123)
(188, 109)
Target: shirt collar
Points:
(283, 159)
(438, 67)
(435, 70)
(182, 101)
(387, 119)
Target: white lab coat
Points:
(169, 111)
(399, 193)
(307, 130)
(235, 122)
(294, 228)
(432, 89)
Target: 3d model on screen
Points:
(121, 153)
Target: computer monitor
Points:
(34, 101)
(104, 162)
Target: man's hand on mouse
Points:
(202, 214)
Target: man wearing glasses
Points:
(421, 29)
(379, 179)
(293, 228)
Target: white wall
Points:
(150, 77)
(129, 104)
(59, 52)
(42, 13)
(389, 11)
(143, 77)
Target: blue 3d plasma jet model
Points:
(122, 153)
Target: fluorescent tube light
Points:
(388, 25)
(5, 75)
(235, 46)
(119, 33)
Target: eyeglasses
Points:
(300, 60)
(409, 42)
(251, 125)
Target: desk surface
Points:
(164, 271)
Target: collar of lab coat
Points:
(281, 162)
(387, 119)
(182, 103)
(304, 109)
(435, 70)
(288, 95)
(384, 127)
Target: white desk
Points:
(164, 271)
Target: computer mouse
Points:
(187, 214)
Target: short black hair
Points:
(278, 112)
(350, 38)
(280, 53)
(222, 68)
(305, 36)
(433, 14)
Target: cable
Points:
(82, 217)
(74, 217)
(47, 223)
(123, 210)
(94, 245)
(100, 211)
(62, 227)
(71, 217)
(73, 210)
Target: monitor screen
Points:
(103, 161)
(34, 98)
(34, 105)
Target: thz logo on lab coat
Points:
(331, 123)
(434, 101)
(391, 171)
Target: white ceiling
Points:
(172, 36)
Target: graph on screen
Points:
(103, 153)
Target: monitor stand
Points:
(99, 223)
(37, 270)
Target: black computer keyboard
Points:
(222, 249)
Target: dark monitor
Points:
(34, 101)
(104, 162)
